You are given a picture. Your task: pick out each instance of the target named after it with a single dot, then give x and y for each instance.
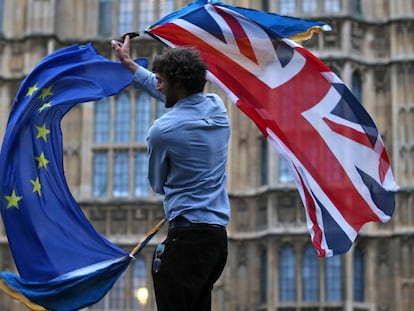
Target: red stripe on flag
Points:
(349, 132)
(243, 41)
(384, 164)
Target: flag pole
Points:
(147, 238)
(14, 294)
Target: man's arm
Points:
(146, 80)
(158, 166)
(142, 78)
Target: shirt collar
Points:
(190, 100)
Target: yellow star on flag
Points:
(31, 90)
(13, 200)
(42, 161)
(46, 91)
(37, 186)
(42, 131)
(44, 106)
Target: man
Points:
(187, 150)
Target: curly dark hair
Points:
(183, 65)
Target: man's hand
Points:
(123, 53)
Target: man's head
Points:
(181, 72)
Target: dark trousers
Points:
(191, 262)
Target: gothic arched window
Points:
(102, 117)
(287, 274)
(263, 276)
(359, 273)
(333, 279)
(122, 118)
(310, 275)
(142, 117)
(125, 16)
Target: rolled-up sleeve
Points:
(158, 167)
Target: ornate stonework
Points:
(267, 217)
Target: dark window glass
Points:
(263, 277)
(122, 118)
(310, 275)
(100, 174)
(333, 279)
(102, 121)
(105, 18)
(359, 273)
(287, 274)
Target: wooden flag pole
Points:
(148, 237)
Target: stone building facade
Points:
(271, 263)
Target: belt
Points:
(181, 222)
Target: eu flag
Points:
(63, 263)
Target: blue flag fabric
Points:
(67, 293)
(57, 252)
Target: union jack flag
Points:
(333, 148)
